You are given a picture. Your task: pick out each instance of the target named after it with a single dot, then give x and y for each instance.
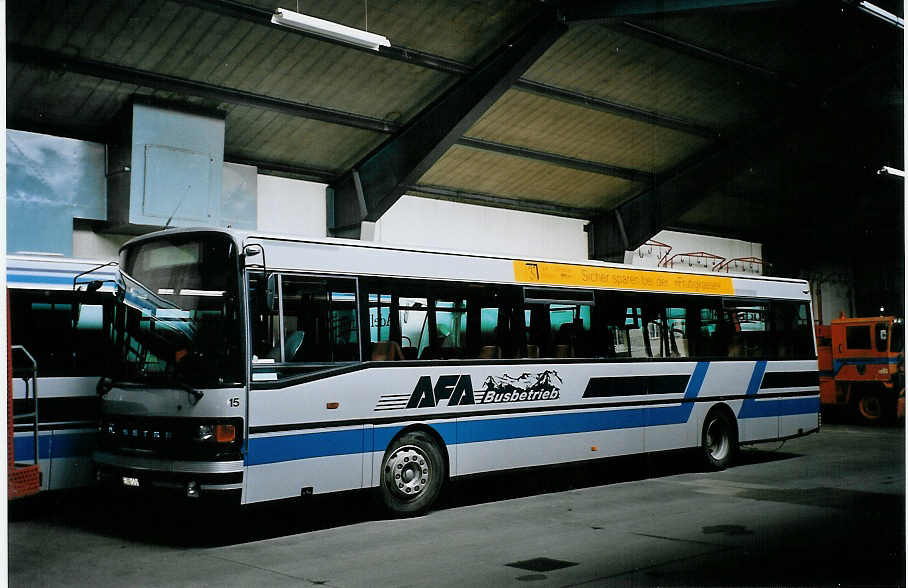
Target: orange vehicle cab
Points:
(861, 363)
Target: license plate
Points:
(130, 482)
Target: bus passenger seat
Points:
(386, 351)
(490, 352)
(533, 351)
(293, 344)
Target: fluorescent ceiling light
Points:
(328, 29)
(883, 14)
(891, 171)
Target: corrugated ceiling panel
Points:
(598, 61)
(269, 136)
(37, 95)
(186, 42)
(473, 170)
(462, 30)
(527, 120)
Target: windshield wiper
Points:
(106, 384)
(196, 394)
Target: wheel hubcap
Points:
(407, 471)
(717, 442)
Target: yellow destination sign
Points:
(564, 274)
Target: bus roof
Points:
(347, 256)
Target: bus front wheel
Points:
(412, 474)
(719, 439)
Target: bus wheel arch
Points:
(719, 437)
(414, 469)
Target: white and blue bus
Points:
(270, 367)
(66, 334)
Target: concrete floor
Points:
(823, 510)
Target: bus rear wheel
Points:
(412, 474)
(719, 440)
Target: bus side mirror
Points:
(267, 298)
(270, 291)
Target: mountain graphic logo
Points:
(527, 386)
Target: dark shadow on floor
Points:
(197, 523)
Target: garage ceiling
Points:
(765, 120)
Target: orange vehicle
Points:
(862, 366)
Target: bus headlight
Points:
(225, 433)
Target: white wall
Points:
(101, 246)
(291, 207)
(650, 255)
(466, 227)
(832, 290)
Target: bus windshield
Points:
(178, 319)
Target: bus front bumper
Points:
(189, 478)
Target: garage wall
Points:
(466, 227)
(291, 207)
(831, 290)
(650, 254)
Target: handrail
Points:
(34, 378)
(670, 262)
(751, 260)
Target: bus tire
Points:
(719, 439)
(412, 474)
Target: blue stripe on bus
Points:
(66, 279)
(751, 408)
(55, 445)
(583, 422)
(264, 450)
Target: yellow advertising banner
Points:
(563, 274)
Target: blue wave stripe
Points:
(753, 408)
(779, 407)
(542, 425)
(265, 450)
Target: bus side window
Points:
(746, 328)
(413, 317)
(451, 328)
(46, 326)
(611, 327)
(311, 322)
(676, 331)
(706, 334)
(536, 323)
(791, 336)
(319, 320)
(633, 325)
